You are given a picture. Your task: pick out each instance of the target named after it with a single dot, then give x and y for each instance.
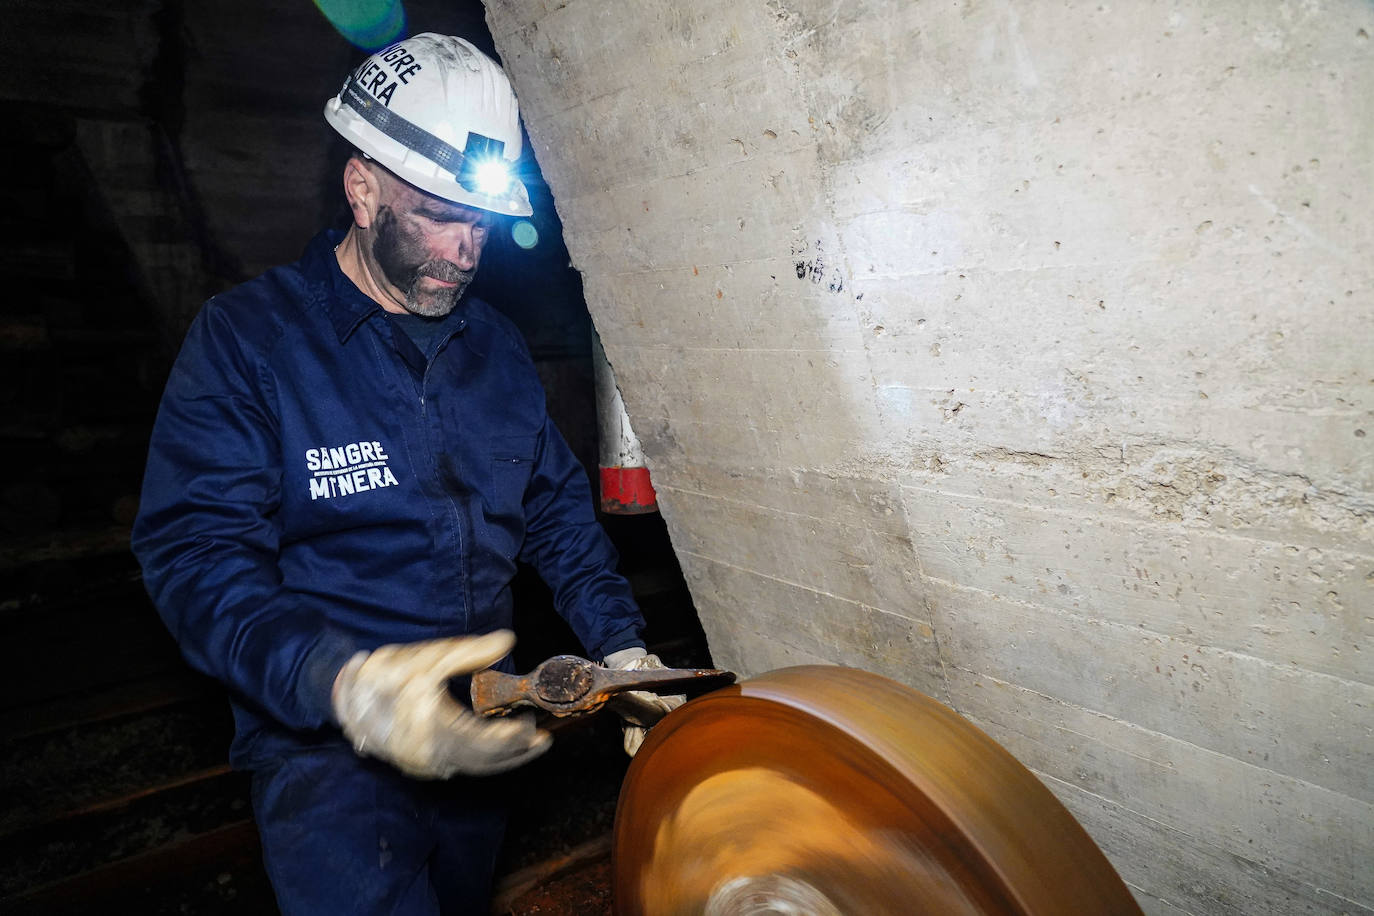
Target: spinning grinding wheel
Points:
(825, 790)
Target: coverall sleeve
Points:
(570, 550)
(206, 538)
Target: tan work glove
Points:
(393, 704)
(639, 708)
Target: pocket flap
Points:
(513, 449)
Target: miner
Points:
(350, 457)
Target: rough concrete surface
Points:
(1021, 352)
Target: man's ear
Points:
(362, 190)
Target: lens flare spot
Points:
(524, 234)
(367, 24)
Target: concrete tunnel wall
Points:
(1021, 353)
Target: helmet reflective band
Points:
(439, 114)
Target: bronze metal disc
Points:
(826, 790)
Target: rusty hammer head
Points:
(567, 685)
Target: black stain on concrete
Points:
(814, 268)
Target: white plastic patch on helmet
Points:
(441, 115)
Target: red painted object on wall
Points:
(627, 491)
(625, 485)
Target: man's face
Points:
(426, 248)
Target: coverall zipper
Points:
(465, 611)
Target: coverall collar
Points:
(348, 306)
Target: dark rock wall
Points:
(200, 127)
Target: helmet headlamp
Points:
(483, 170)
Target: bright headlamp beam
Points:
(484, 169)
(491, 176)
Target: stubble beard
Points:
(398, 254)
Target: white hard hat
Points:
(441, 115)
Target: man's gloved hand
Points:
(393, 704)
(639, 708)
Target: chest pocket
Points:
(512, 461)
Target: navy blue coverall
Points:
(317, 486)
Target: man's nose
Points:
(460, 246)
